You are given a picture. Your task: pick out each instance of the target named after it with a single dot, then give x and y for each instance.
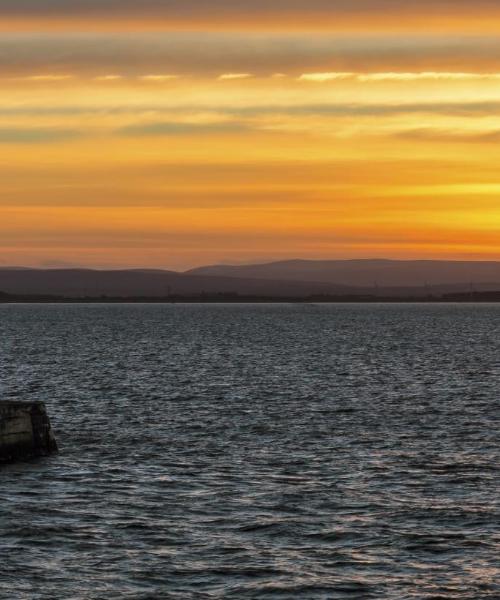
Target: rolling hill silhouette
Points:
(367, 273)
(143, 282)
(294, 278)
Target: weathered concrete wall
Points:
(25, 431)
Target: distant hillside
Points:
(282, 279)
(369, 273)
(137, 282)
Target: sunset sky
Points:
(176, 133)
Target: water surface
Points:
(255, 451)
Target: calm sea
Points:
(255, 451)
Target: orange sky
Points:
(247, 140)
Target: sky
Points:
(177, 133)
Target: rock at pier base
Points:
(25, 431)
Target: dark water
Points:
(301, 452)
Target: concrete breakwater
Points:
(25, 431)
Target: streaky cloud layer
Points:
(169, 134)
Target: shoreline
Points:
(475, 298)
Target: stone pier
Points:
(25, 431)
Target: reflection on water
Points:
(255, 452)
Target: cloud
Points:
(48, 78)
(430, 134)
(461, 109)
(427, 75)
(36, 135)
(257, 13)
(179, 129)
(158, 78)
(233, 76)
(323, 77)
(210, 54)
(399, 77)
(109, 78)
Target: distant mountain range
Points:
(300, 278)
